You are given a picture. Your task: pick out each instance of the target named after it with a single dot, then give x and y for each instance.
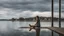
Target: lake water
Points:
(9, 28)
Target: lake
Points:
(9, 28)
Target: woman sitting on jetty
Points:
(36, 25)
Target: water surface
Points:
(9, 28)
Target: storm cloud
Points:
(12, 7)
(33, 5)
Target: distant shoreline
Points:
(43, 19)
(30, 21)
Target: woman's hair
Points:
(37, 17)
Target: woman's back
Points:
(37, 21)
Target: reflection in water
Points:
(8, 28)
(37, 32)
(37, 29)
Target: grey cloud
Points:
(33, 5)
(17, 6)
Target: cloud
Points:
(22, 8)
(28, 13)
(33, 5)
(8, 13)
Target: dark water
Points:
(9, 28)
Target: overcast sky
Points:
(28, 8)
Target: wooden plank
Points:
(40, 27)
(57, 30)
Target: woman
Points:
(37, 25)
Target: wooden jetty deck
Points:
(57, 30)
(54, 29)
(40, 27)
